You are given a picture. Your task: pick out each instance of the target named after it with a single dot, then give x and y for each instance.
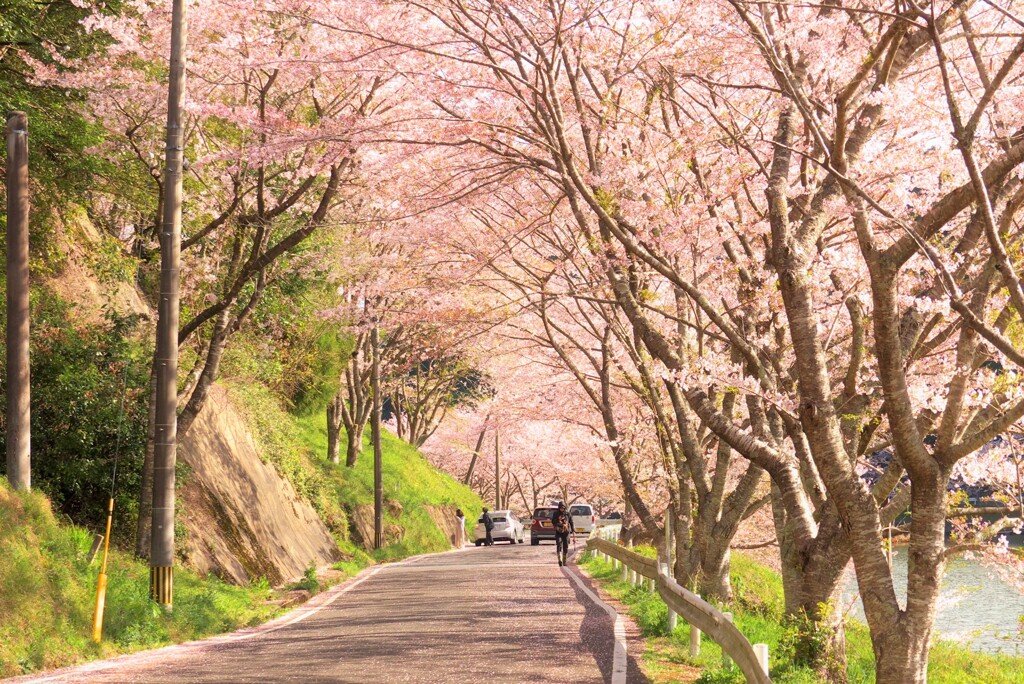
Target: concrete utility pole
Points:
(378, 456)
(19, 430)
(497, 471)
(161, 555)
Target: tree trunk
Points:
(682, 532)
(702, 564)
(334, 429)
(811, 581)
(354, 444)
(901, 645)
(353, 401)
(211, 370)
(712, 580)
(822, 638)
(627, 523)
(476, 452)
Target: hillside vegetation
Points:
(47, 585)
(47, 588)
(417, 496)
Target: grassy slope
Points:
(47, 592)
(297, 447)
(47, 588)
(758, 613)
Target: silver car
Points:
(507, 527)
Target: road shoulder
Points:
(635, 644)
(174, 651)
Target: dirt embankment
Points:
(244, 520)
(80, 245)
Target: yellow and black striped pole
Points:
(101, 583)
(161, 585)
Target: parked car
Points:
(583, 519)
(541, 527)
(507, 527)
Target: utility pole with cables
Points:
(18, 417)
(497, 471)
(378, 454)
(161, 556)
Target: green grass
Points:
(297, 446)
(47, 590)
(758, 612)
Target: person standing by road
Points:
(562, 522)
(488, 526)
(460, 529)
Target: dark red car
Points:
(540, 526)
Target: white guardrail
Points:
(702, 616)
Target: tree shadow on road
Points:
(597, 633)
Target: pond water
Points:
(976, 607)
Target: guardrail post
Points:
(632, 576)
(726, 660)
(673, 620)
(651, 583)
(625, 572)
(694, 640)
(761, 651)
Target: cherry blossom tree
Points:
(661, 142)
(743, 249)
(275, 124)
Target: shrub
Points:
(89, 404)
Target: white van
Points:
(583, 520)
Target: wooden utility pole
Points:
(161, 555)
(19, 444)
(497, 471)
(378, 457)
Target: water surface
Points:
(976, 607)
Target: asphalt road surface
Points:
(491, 614)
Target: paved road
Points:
(498, 614)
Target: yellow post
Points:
(101, 584)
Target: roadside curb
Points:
(620, 662)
